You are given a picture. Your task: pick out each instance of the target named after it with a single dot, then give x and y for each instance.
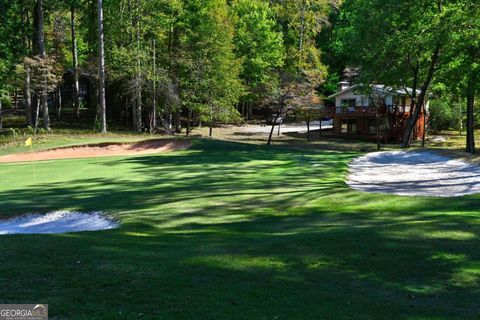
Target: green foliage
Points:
(6, 102)
(259, 45)
(304, 72)
(208, 53)
(396, 43)
(209, 72)
(446, 114)
(9, 133)
(331, 84)
(302, 21)
(14, 33)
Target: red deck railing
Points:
(372, 110)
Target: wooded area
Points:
(167, 65)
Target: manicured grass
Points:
(235, 231)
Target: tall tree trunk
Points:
(460, 118)
(320, 125)
(210, 129)
(178, 122)
(470, 114)
(1, 115)
(134, 114)
(153, 120)
(413, 119)
(76, 82)
(189, 120)
(377, 122)
(138, 125)
(37, 113)
(42, 53)
(15, 105)
(424, 133)
(270, 136)
(27, 94)
(40, 32)
(59, 103)
(28, 97)
(45, 113)
(35, 104)
(101, 69)
(302, 26)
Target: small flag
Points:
(28, 142)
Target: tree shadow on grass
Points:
(228, 231)
(205, 171)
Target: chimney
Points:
(343, 85)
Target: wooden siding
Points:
(364, 119)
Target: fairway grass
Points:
(236, 231)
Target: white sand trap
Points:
(56, 222)
(416, 173)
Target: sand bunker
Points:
(99, 150)
(56, 222)
(417, 173)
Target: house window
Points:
(364, 101)
(349, 126)
(349, 103)
(400, 101)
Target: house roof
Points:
(379, 88)
(400, 92)
(343, 91)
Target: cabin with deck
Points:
(372, 113)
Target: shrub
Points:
(9, 132)
(445, 115)
(6, 103)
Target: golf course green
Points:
(226, 230)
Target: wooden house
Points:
(376, 112)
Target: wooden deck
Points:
(361, 122)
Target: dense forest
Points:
(167, 65)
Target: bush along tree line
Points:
(157, 64)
